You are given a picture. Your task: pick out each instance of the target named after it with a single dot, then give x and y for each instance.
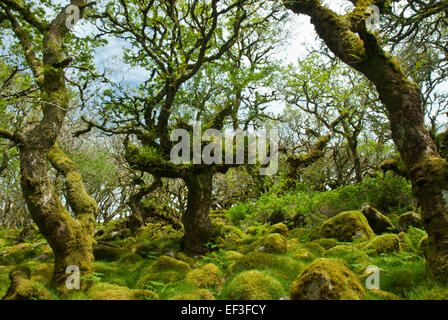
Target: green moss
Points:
(43, 273)
(409, 219)
(25, 289)
(147, 279)
(165, 263)
(377, 294)
(280, 228)
(314, 247)
(185, 258)
(232, 256)
(383, 244)
(346, 226)
(205, 277)
(356, 258)
(254, 285)
(107, 291)
(262, 260)
(436, 294)
(327, 279)
(130, 258)
(303, 254)
(200, 294)
(108, 253)
(327, 243)
(274, 243)
(20, 252)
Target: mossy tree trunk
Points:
(348, 38)
(196, 221)
(69, 237)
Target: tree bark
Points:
(196, 221)
(70, 239)
(348, 38)
(353, 146)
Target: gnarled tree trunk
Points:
(348, 38)
(196, 221)
(70, 239)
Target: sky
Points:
(108, 57)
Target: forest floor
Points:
(258, 262)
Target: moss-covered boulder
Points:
(377, 221)
(166, 263)
(327, 279)
(274, 243)
(409, 219)
(232, 256)
(185, 258)
(108, 291)
(354, 256)
(385, 243)
(21, 252)
(200, 294)
(315, 247)
(205, 277)
(254, 285)
(143, 249)
(108, 253)
(130, 258)
(346, 226)
(262, 260)
(327, 243)
(378, 294)
(280, 228)
(303, 254)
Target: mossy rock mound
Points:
(346, 227)
(303, 254)
(280, 228)
(409, 219)
(108, 253)
(352, 255)
(274, 243)
(185, 258)
(130, 258)
(262, 260)
(315, 247)
(200, 294)
(20, 252)
(327, 279)
(385, 243)
(383, 295)
(254, 285)
(205, 277)
(166, 263)
(232, 256)
(108, 291)
(143, 249)
(327, 243)
(377, 221)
